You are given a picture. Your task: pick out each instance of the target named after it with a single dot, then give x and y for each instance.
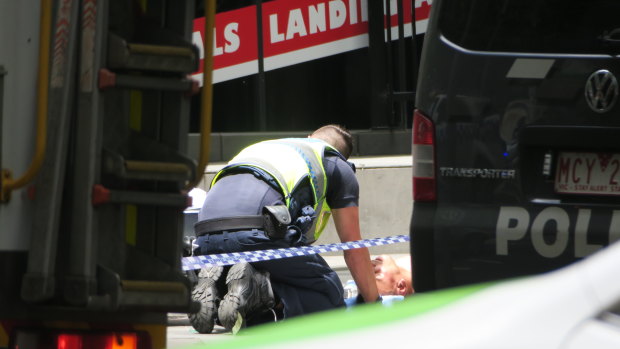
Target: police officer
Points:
(278, 194)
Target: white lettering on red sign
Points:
(317, 20)
(337, 14)
(293, 32)
(514, 223)
(234, 44)
(231, 40)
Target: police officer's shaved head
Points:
(336, 136)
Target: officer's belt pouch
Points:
(276, 220)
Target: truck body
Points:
(94, 171)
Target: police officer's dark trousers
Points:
(303, 284)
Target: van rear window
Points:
(555, 26)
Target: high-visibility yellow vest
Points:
(289, 161)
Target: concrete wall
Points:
(223, 146)
(385, 201)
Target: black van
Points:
(516, 138)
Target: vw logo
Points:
(601, 91)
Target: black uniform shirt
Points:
(245, 194)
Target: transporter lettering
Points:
(486, 173)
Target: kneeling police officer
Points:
(277, 194)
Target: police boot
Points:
(249, 294)
(207, 294)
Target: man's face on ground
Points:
(387, 274)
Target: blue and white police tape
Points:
(197, 262)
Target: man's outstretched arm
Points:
(358, 260)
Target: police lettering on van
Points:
(516, 223)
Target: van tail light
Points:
(80, 340)
(423, 152)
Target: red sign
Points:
(235, 41)
(294, 25)
(295, 31)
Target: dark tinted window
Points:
(555, 26)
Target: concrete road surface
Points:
(181, 335)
